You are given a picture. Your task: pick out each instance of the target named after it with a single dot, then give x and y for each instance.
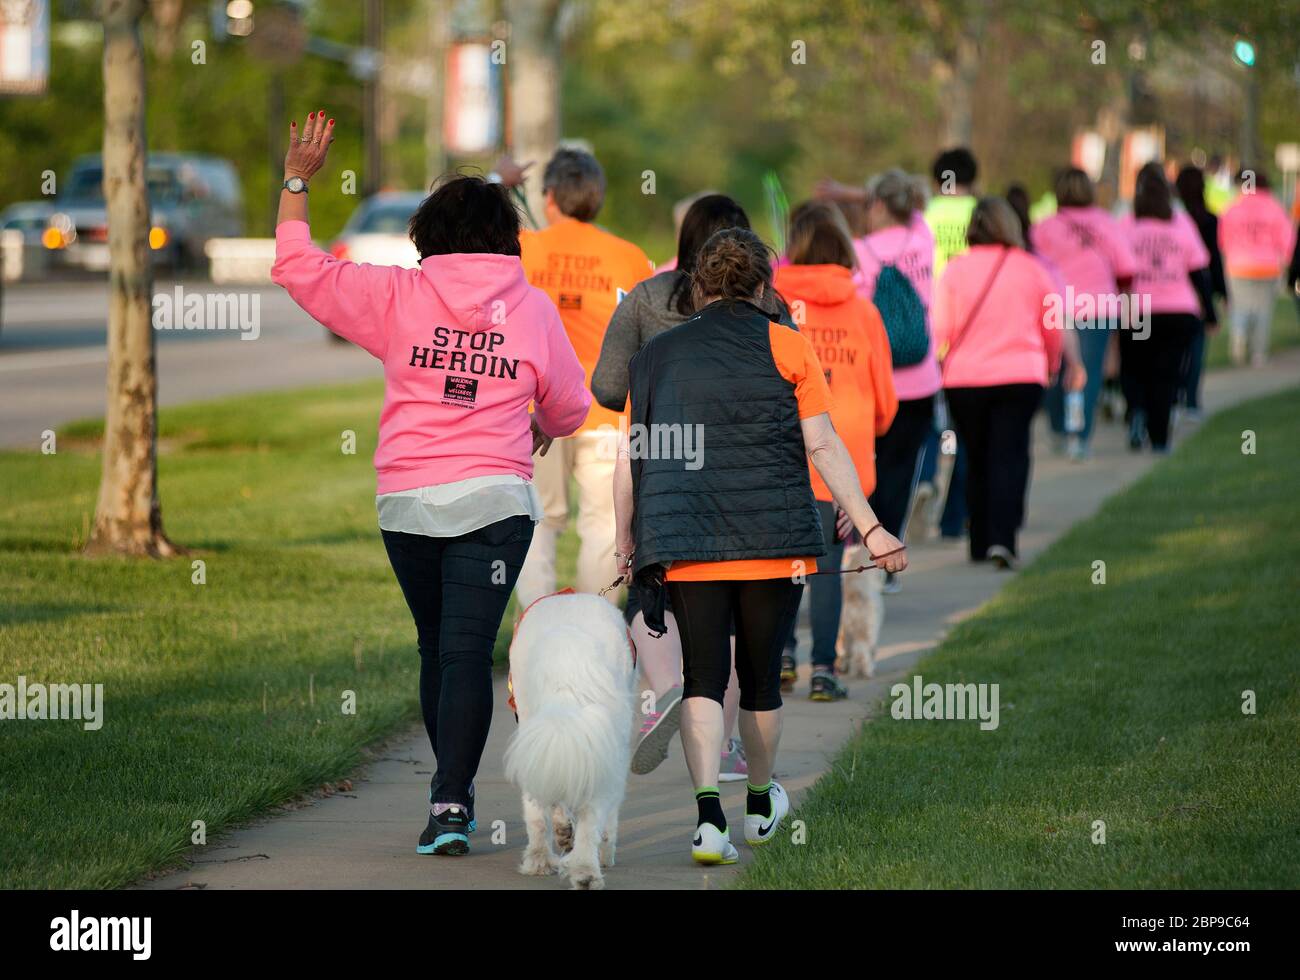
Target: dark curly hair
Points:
(465, 213)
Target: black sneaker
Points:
(447, 832)
(469, 807)
(789, 672)
(826, 687)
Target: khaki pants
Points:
(588, 458)
(1250, 306)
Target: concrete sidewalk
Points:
(366, 838)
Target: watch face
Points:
(295, 184)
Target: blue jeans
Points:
(1192, 369)
(952, 524)
(1093, 341)
(457, 595)
(825, 596)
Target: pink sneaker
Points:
(734, 767)
(657, 732)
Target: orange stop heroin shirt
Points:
(850, 340)
(586, 271)
(797, 362)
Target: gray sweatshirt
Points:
(644, 313)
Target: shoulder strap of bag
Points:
(970, 317)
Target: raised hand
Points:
(307, 150)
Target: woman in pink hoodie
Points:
(1255, 236)
(1167, 249)
(998, 352)
(467, 346)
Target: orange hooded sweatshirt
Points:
(849, 337)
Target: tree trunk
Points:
(128, 517)
(959, 93)
(534, 65)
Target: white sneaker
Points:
(760, 829)
(713, 846)
(1001, 558)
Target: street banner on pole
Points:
(24, 46)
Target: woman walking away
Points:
(455, 501)
(1209, 282)
(1168, 251)
(731, 534)
(895, 271)
(850, 342)
(1255, 235)
(1091, 253)
(997, 355)
(653, 306)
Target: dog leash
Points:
(863, 568)
(840, 571)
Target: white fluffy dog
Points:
(861, 616)
(575, 685)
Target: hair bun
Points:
(733, 264)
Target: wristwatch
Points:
(295, 185)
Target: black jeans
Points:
(763, 611)
(457, 590)
(897, 452)
(1153, 369)
(994, 426)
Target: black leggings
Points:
(1152, 367)
(994, 426)
(896, 455)
(763, 612)
(457, 590)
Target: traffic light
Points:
(1243, 53)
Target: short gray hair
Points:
(577, 182)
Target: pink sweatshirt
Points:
(1255, 237)
(910, 248)
(1007, 341)
(1167, 252)
(1090, 251)
(466, 343)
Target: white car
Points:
(377, 231)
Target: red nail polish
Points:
(331, 122)
(311, 115)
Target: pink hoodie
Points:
(1255, 236)
(1091, 252)
(912, 250)
(466, 343)
(1008, 340)
(1167, 252)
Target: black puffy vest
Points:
(751, 498)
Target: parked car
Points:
(29, 217)
(193, 198)
(377, 231)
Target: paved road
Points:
(53, 357)
(366, 839)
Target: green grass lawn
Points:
(220, 699)
(1119, 702)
